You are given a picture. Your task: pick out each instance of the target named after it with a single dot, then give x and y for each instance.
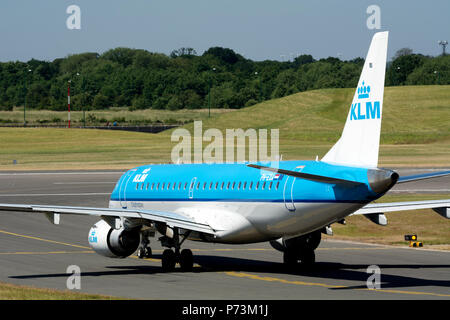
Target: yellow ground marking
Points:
(47, 252)
(230, 273)
(303, 283)
(45, 240)
(272, 279)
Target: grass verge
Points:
(16, 292)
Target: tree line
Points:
(220, 78)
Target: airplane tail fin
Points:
(360, 139)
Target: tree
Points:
(183, 52)
(226, 55)
(402, 67)
(402, 52)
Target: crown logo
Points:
(363, 91)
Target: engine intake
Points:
(113, 243)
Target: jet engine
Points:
(113, 243)
(308, 241)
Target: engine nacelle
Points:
(113, 243)
(309, 241)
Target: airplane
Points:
(288, 205)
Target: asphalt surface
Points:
(37, 253)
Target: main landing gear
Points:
(300, 250)
(171, 257)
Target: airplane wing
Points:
(170, 218)
(423, 176)
(375, 211)
(402, 206)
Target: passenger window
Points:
(216, 185)
(210, 186)
(142, 186)
(245, 184)
(278, 183)
(221, 187)
(234, 183)
(157, 186)
(168, 186)
(198, 185)
(153, 184)
(263, 186)
(137, 186)
(228, 185)
(185, 185)
(251, 185)
(257, 185)
(162, 187)
(239, 186)
(204, 185)
(270, 185)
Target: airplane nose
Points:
(381, 180)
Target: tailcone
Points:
(381, 180)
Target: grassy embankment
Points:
(415, 132)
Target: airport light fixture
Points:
(260, 87)
(26, 93)
(209, 93)
(438, 76)
(444, 44)
(68, 100)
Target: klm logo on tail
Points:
(372, 109)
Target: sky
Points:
(256, 29)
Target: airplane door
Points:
(191, 188)
(288, 191)
(123, 188)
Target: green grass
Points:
(16, 292)
(415, 132)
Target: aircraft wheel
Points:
(168, 260)
(148, 252)
(141, 253)
(307, 258)
(290, 258)
(186, 260)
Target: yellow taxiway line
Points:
(231, 273)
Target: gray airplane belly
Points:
(273, 219)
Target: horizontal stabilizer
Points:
(307, 176)
(423, 176)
